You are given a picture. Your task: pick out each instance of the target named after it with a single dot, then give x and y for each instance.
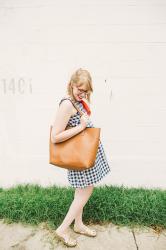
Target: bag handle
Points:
(78, 109)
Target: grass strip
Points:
(33, 204)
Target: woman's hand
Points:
(84, 120)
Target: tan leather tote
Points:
(78, 152)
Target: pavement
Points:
(18, 236)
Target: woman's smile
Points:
(80, 97)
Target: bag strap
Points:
(72, 101)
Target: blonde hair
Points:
(80, 77)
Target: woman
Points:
(79, 90)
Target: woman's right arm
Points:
(63, 114)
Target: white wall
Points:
(123, 45)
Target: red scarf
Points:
(86, 107)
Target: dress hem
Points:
(77, 186)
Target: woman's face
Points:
(79, 92)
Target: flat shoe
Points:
(68, 242)
(87, 231)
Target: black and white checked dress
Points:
(101, 167)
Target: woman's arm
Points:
(63, 114)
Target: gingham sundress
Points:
(101, 167)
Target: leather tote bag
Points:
(78, 152)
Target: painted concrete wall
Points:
(123, 45)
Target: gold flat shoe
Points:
(70, 242)
(87, 231)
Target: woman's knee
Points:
(90, 188)
(83, 193)
(85, 189)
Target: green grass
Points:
(33, 204)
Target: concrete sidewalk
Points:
(17, 236)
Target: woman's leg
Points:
(75, 211)
(78, 218)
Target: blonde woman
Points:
(79, 90)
